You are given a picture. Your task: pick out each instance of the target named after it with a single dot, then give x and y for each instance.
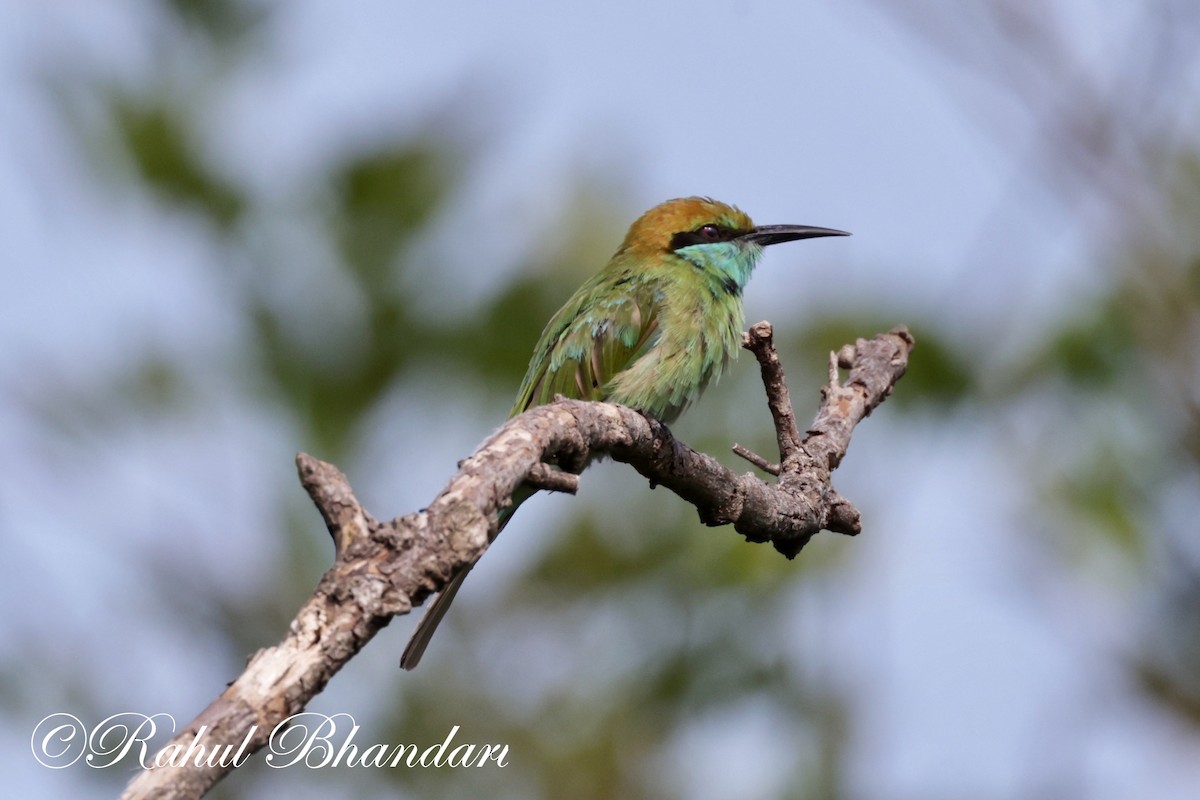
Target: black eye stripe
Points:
(705, 234)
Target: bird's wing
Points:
(607, 325)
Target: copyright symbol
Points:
(58, 740)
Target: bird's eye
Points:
(710, 233)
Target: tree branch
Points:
(384, 569)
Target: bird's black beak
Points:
(774, 234)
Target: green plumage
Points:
(649, 336)
(651, 330)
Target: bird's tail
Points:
(438, 607)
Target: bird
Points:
(651, 330)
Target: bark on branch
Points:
(384, 569)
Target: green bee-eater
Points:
(649, 331)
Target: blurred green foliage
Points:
(155, 135)
(381, 202)
(939, 378)
(1103, 410)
